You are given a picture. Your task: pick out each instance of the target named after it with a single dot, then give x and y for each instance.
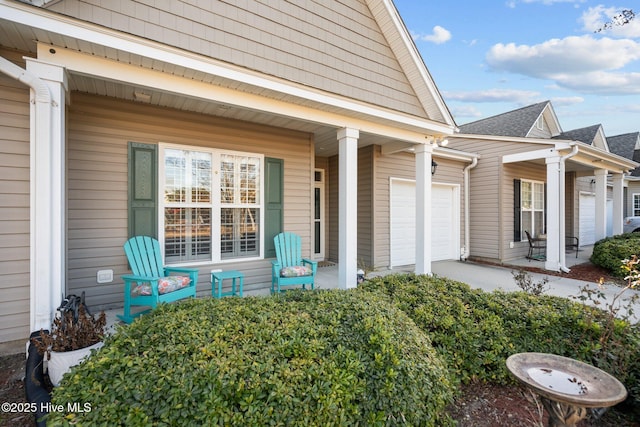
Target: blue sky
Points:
(491, 57)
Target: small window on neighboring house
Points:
(636, 205)
(540, 123)
(529, 208)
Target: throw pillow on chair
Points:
(296, 271)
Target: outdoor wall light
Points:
(434, 166)
(437, 140)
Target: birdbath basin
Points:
(567, 387)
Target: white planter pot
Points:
(62, 361)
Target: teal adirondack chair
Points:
(290, 269)
(152, 283)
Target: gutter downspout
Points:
(467, 232)
(563, 255)
(39, 87)
(41, 306)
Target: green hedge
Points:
(609, 253)
(301, 359)
(475, 331)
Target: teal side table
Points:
(217, 277)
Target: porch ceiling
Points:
(25, 38)
(325, 137)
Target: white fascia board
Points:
(530, 155)
(498, 138)
(448, 153)
(46, 21)
(110, 70)
(616, 163)
(439, 152)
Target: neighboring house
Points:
(584, 196)
(213, 126)
(628, 146)
(529, 179)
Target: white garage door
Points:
(587, 219)
(445, 228)
(403, 222)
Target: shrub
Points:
(302, 358)
(475, 331)
(471, 340)
(609, 252)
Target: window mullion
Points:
(216, 196)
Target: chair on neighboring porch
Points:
(572, 242)
(537, 248)
(290, 269)
(151, 282)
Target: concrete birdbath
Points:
(567, 387)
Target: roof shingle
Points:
(516, 123)
(586, 135)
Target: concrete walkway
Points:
(490, 278)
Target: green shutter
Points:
(274, 203)
(143, 190)
(517, 224)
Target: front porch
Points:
(477, 275)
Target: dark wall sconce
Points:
(434, 166)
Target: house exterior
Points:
(542, 181)
(213, 126)
(628, 146)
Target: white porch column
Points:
(48, 191)
(423, 208)
(553, 214)
(601, 204)
(347, 208)
(618, 201)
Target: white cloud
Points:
(438, 36)
(583, 63)
(566, 101)
(466, 111)
(493, 95)
(571, 54)
(600, 82)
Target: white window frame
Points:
(635, 211)
(215, 205)
(320, 186)
(531, 211)
(540, 123)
